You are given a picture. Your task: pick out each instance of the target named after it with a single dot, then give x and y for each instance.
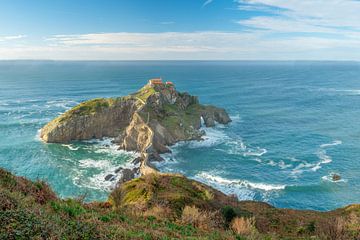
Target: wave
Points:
(106, 145)
(92, 173)
(349, 92)
(212, 137)
(37, 136)
(70, 147)
(91, 163)
(321, 153)
(334, 143)
(235, 119)
(63, 104)
(237, 183)
(255, 152)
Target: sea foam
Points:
(224, 182)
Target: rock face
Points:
(147, 121)
(96, 118)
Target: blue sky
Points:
(180, 29)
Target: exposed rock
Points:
(118, 169)
(136, 160)
(148, 121)
(96, 118)
(110, 177)
(336, 177)
(127, 174)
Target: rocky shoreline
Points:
(147, 122)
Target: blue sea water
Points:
(294, 124)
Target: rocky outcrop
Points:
(96, 118)
(147, 122)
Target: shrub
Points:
(159, 212)
(311, 227)
(333, 228)
(71, 207)
(201, 219)
(7, 201)
(228, 213)
(243, 226)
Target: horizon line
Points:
(173, 60)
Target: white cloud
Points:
(9, 38)
(253, 45)
(207, 2)
(304, 15)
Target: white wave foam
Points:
(212, 137)
(107, 146)
(323, 156)
(271, 163)
(258, 160)
(92, 172)
(349, 92)
(37, 136)
(102, 168)
(283, 165)
(234, 147)
(91, 163)
(255, 152)
(70, 147)
(235, 119)
(238, 183)
(304, 167)
(334, 143)
(321, 153)
(64, 104)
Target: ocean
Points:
(294, 125)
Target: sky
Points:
(180, 29)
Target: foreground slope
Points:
(160, 206)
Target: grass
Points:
(161, 206)
(89, 107)
(144, 93)
(181, 122)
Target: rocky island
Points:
(148, 121)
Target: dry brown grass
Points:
(159, 212)
(333, 229)
(202, 219)
(243, 226)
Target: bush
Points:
(159, 212)
(7, 201)
(243, 226)
(71, 207)
(201, 219)
(228, 213)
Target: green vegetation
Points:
(89, 107)
(181, 121)
(160, 206)
(144, 93)
(151, 189)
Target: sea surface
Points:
(294, 124)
